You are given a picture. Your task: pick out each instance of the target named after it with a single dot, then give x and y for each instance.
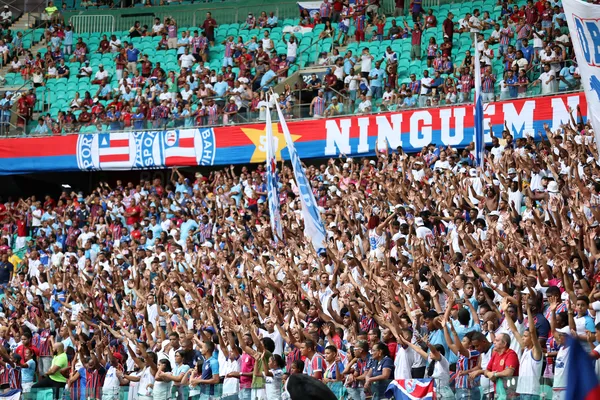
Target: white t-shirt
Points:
(292, 49)
(364, 105)
(36, 217)
(560, 368)
(101, 75)
(276, 337)
(114, 45)
(530, 371)
(403, 362)
(425, 81)
(111, 381)
(366, 62)
(34, 268)
(548, 81)
(157, 28)
(352, 82)
(475, 24)
(187, 60)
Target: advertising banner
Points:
(353, 135)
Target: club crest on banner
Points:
(142, 150)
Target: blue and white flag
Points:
(478, 137)
(272, 189)
(13, 394)
(584, 24)
(313, 226)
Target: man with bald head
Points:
(54, 378)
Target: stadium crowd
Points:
(432, 268)
(533, 54)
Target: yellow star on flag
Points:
(259, 138)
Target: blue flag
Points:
(582, 382)
(313, 226)
(272, 189)
(478, 109)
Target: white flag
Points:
(272, 189)
(584, 26)
(313, 226)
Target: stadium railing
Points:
(298, 113)
(504, 388)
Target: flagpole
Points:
(478, 136)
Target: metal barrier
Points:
(92, 23)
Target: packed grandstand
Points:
(439, 273)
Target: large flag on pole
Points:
(272, 189)
(582, 382)
(313, 226)
(478, 110)
(584, 24)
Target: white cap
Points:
(526, 291)
(419, 221)
(565, 331)
(397, 236)
(553, 187)
(473, 172)
(494, 214)
(332, 225)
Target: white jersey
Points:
(530, 371)
(560, 369)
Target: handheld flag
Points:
(410, 389)
(582, 382)
(478, 112)
(584, 24)
(313, 226)
(13, 394)
(272, 189)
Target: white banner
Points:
(584, 26)
(297, 29)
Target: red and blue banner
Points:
(353, 135)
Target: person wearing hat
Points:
(335, 108)
(6, 17)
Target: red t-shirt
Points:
(247, 366)
(135, 217)
(499, 362)
(392, 347)
(136, 234)
(21, 350)
(21, 228)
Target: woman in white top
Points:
(530, 363)
(161, 390)
(144, 378)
